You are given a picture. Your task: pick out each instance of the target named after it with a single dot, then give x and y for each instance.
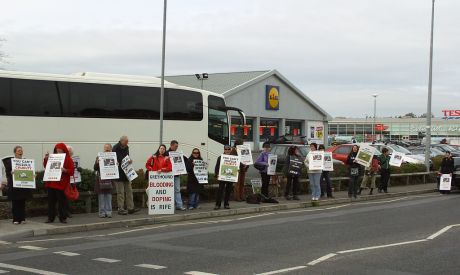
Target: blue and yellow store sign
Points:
(272, 97)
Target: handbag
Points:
(354, 171)
(71, 192)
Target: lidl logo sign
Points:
(272, 97)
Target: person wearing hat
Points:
(262, 160)
(224, 186)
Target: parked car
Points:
(290, 139)
(434, 152)
(445, 147)
(341, 152)
(456, 175)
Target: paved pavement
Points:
(88, 222)
(404, 235)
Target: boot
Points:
(370, 193)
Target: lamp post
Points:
(430, 85)
(162, 92)
(375, 111)
(202, 77)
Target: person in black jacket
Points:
(124, 188)
(18, 196)
(223, 185)
(354, 172)
(447, 167)
(326, 184)
(193, 186)
(292, 174)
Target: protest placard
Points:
(178, 164)
(315, 160)
(295, 166)
(445, 182)
(272, 162)
(161, 193)
(76, 174)
(256, 185)
(23, 173)
(365, 154)
(396, 159)
(108, 166)
(229, 168)
(128, 168)
(53, 170)
(244, 151)
(200, 169)
(328, 162)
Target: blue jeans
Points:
(105, 204)
(177, 196)
(315, 184)
(193, 199)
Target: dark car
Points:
(445, 147)
(456, 175)
(290, 139)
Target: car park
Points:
(434, 152)
(445, 147)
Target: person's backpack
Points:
(253, 199)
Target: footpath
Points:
(36, 226)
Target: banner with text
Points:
(161, 193)
(53, 170)
(108, 166)
(23, 173)
(200, 169)
(128, 168)
(229, 168)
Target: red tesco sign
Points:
(451, 112)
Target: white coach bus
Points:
(86, 110)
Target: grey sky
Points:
(338, 52)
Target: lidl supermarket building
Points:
(272, 104)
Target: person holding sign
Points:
(370, 173)
(354, 172)
(447, 168)
(173, 146)
(18, 196)
(292, 171)
(193, 186)
(159, 161)
(314, 175)
(56, 188)
(262, 160)
(384, 170)
(326, 188)
(103, 188)
(224, 186)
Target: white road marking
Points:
(54, 239)
(312, 210)
(105, 260)
(30, 247)
(254, 216)
(322, 259)
(28, 269)
(198, 273)
(376, 202)
(151, 266)
(133, 230)
(65, 253)
(3, 271)
(439, 233)
(4, 242)
(380, 246)
(283, 270)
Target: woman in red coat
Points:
(56, 188)
(159, 162)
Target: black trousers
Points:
(265, 183)
(353, 186)
(326, 185)
(18, 208)
(384, 178)
(227, 187)
(294, 182)
(57, 196)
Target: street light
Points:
(375, 111)
(162, 91)
(430, 85)
(202, 77)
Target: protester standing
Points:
(18, 196)
(239, 186)
(262, 160)
(224, 186)
(56, 188)
(292, 177)
(326, 184)
(370, 174)
(384, 170)
(173, 146)
(314, 175)
(354, 172)
(193, 186)
(160, 161)
(123, 185)
(103, 189)
(447, 167)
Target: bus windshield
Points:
(218, 128)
